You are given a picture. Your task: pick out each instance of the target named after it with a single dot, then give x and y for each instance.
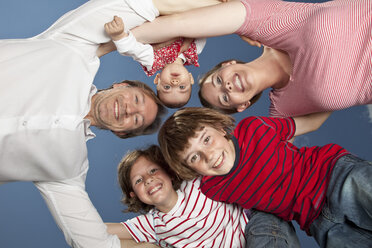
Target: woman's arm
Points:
(309, 123)
(168, 7)
(217, 20)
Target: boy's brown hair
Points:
(175, 133)
(152, 154)
(202, 80)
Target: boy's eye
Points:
(193, 158)
(152, 171)
(139, 180)
(166, 87)
(206, 140)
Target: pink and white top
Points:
(195, 221)
(330, 47)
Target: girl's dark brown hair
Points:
(152, 154)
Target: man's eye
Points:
(136, 99)
(136, 119)
(225, 98)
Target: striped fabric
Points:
(195, 221)
(330, 47)
(272, 175)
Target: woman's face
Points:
(230, 87)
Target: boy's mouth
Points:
(155, 189)
(219, 161)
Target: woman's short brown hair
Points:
(152, 154)
(176, 131)
(202, 80)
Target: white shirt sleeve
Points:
(200, 44)
(75, 214)
(142, 53)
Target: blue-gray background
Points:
(24, 218)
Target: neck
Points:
(273, 69)
(90, 115)
(170, 203)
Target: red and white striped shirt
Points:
(330, 47)
(195, 221)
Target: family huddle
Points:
(210, 181)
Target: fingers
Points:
(250, 42)
(115, 25)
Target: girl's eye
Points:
(182, 87)
(139, 180)
(166, 87)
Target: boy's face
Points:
(210, 153)
(174, 84)
(152, 185)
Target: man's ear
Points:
(231, 62)
(120, 133)
(119, 85)
(191, 78)
(132, 194)
(157, 79)
(243, 106)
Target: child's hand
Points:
(250, 42)
(186, 44)
(115, 29)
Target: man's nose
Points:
(130, 109)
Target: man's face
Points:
(123, 108)
(209, 152)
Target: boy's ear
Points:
(132, 194)
(191, 78)
(243, 106)
(157, 79)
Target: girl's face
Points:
(152, 185)
(230, 87)
(210, 153)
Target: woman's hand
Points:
(115, 29)
(186, 44)
(250, 41)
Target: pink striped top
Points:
(330, 47)
(195, 221)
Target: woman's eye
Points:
(218, 80)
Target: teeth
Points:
(116, 111)
(218, 162)
(155, 189)
(238, 83)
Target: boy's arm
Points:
(309, 123)
(127, 45)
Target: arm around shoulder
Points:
(309, 123)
